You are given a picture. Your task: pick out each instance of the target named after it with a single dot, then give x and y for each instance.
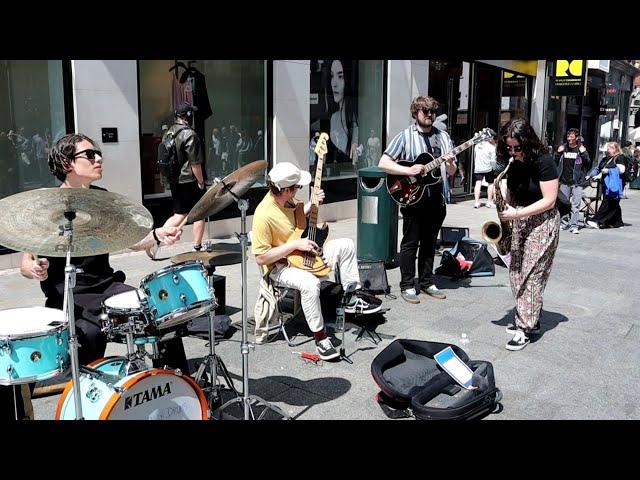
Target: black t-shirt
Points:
(97, 274)
(570, 156)
(524, 179)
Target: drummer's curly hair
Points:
(61, 154)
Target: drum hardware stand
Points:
(246, 399)
(68, 308)
(340, 316)
(212, 360)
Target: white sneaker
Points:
(593, 224)
(476, 205)
(574, 230)
(490, 205)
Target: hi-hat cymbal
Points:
(215, 258)
(104, 221)
(218, 196)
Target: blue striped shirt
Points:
(410, 143)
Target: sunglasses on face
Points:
(516, 148)
(428, 111)
(89, 154)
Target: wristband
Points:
(155, 237)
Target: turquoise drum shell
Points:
(178, 293)
(108, 394)
(34, 356)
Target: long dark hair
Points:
(522, 131)
(350, 100)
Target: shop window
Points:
(346, 101)
(31, 118)
(231, 116)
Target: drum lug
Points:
(60, 363)
(183, 298)
(6, 347)
(58, 338)
(93, 394)
(9, 369)
(176, 279)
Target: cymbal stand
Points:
(68, 309)
(212, 360)
(246, 399)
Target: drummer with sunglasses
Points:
(77, 162)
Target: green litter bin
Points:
(377, 218)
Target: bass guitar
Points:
(408, 190)
(312, 262)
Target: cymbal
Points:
(218, 197)
(105, 221)
(214, 258)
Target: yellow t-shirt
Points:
(272, 225)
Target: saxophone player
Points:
(532, 188)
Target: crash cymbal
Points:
(105, 221)
(218, 197)
(215, 258)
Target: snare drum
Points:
(34, 345)
(178, 293)
(154, 394)
(127, 312)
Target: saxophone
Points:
(494, 232)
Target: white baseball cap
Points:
(285, 174)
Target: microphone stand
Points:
(246, 399)
(68, 309)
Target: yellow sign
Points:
(570, 78)
(566, 67)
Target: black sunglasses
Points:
(428, 111)
(89, 153)
(516, 148)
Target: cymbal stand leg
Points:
(246, 399)
(68, 309)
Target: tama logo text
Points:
(146, 396)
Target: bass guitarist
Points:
(422, 220)
(274, 221)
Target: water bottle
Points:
(464, 339)
(339, 317)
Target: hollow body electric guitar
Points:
(314, 261)
(408, 190)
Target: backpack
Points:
(168, 162)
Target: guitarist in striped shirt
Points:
(273, 223)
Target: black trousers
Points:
(13, 404)
(93, 342)
(420, 226)
(609, 214)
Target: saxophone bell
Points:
(491, 232)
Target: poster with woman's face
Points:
(333, 109)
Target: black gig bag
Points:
(413, 384)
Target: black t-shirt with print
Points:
(524, 179)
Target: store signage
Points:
(569, 78)
(513, 85)
(606, 109)
(109, 135)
